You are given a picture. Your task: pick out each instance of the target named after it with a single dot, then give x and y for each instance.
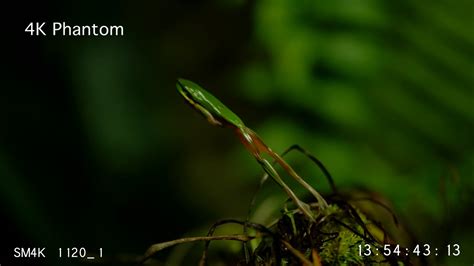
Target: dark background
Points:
(98, 150)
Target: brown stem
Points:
(322, 202)
(256, 146)
(297, 253)
(153, 249)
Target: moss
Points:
(338, 236)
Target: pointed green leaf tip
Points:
(196, 95)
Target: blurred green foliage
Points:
(386, 91)
(380, 91)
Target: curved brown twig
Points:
(153, 249)
(296, 253)
(258, 227)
